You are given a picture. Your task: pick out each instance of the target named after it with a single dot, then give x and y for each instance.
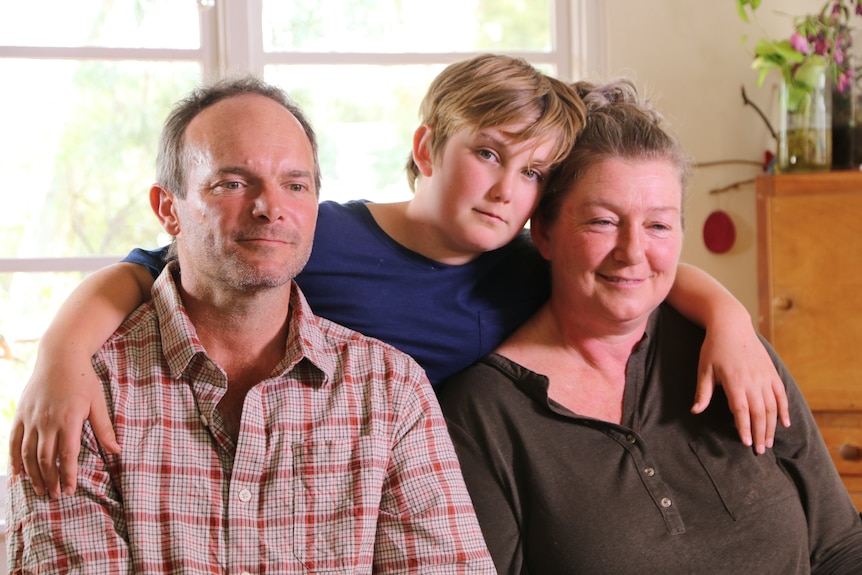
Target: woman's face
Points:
(615, 245)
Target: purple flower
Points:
(799, 43)
(843, 81)
(838, 56)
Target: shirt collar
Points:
(306, 337)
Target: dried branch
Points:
(732, 186)
(757, 109)
(728, 162)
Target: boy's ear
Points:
(422, 150)
(163, 203)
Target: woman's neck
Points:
(586, 370)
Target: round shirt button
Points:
(649, 471)
(631, 438)
(244, 495)
(204, 421)
(666, 502)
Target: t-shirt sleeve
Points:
(154, 260)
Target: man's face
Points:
(248, 217)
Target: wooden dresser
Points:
(809, 242)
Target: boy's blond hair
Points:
(493, 90)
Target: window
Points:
(89, 83)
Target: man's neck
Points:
(245, 334)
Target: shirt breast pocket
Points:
(337, 489)
(745, 482)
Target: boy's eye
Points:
(533, 175)
(487, 154)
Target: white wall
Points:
(688, 56)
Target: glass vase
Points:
(805, 127)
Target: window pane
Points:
(80, 154)
(408, 26)
(364, 117)
(126, 24)
(28, 301)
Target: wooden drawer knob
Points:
(850, 452)
(782, 303)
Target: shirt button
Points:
(631, 438)
(244, 495)
(666, 502)
(210, 364)
(204, 421)
(649, 471)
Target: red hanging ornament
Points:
(719, 233)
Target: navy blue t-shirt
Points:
(446, 317)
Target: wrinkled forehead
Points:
(248, 125)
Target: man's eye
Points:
(228, 187)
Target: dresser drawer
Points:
(842, 432)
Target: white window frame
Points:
(231, 40)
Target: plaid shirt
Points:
(343, 464)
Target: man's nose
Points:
(267, 203)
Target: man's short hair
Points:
(170, 162)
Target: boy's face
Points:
(483, 187)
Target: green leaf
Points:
(781, 51)
(741, 8)
(809, 71)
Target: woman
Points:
(575, 437)
(445, 276)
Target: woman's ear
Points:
(422, 156)
(163, 203)
(539, 233)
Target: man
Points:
(256, 437)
